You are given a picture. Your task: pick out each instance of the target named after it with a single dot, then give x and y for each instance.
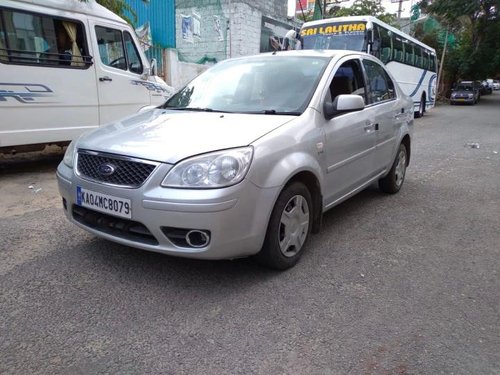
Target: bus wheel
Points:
(421, 108)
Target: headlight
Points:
(214, 170)
(453, 95)
(69, 156)
(471, 96)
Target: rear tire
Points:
(289, 228)
(393, 182)
(421, 108)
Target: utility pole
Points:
(400, 6)
(442, 63)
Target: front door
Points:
(350, 137)
(119, 67)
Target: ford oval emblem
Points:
(106, 169)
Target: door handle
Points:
(105, 78)
(370, 127)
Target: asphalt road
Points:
(403, 284)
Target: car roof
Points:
(329, 53)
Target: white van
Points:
(66, 67)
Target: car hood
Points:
(169, 136)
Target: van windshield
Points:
(335, 35)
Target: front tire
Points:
(289, 228)
(393, 182)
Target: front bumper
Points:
(236, 217)
(462, 100)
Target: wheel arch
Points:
(312, 183)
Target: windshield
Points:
(271, 84)
(335, 35)
(463, 88)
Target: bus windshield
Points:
(335, 35)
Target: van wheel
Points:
(288, 229)
(392, 183)
(421, 108)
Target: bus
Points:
(412, 63)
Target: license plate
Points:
(103, 203)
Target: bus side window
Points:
(408, 52)
(418, 56)
(433, 63)
(425, 60)
(385, 45)
(375, 50)
(398, 49)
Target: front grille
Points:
(119, 227)
(127, 172)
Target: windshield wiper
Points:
(275, 112)
(196, 109)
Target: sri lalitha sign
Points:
(335, 29)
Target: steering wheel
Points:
(118, 63)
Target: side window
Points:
(408, 52)
(425, 63)
(4, 56)
(385, 48)
(348, 79)
(118, 49)
(380, 86)
(134, 60)
(418, 57)
(398, 53)
(111, 49)
(432, 67)
(33, 39)
(375, 51)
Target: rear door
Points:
(388, 114)
(119, 67)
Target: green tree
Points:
(364, 8)
(476, 26)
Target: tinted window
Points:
(33, 39)
(348, 79)
(380, 86)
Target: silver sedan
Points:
(243, 160)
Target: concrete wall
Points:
(244, 19)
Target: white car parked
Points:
(244, 159)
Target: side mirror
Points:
(154, 67)
(343, 104)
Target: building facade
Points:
(188, 36)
